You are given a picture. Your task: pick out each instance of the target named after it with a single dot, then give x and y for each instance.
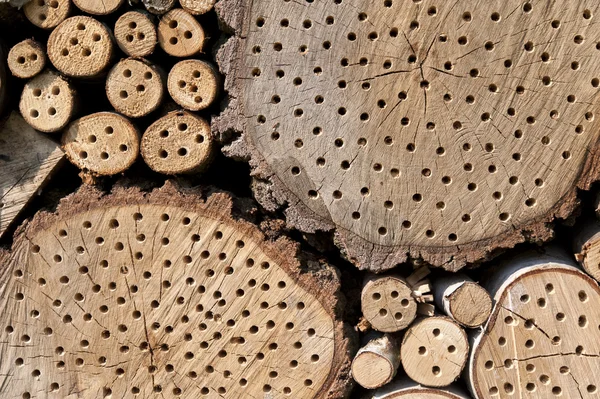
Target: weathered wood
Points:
(135, 34)
(586, 246)
(407, 389)
(434, 351)
(193, 84)
(27, 58)
(542, 339)
(47, 14)
(165, 293)
(27, 161)
(462, 299)
(179, 34)
(159, 6)
(387, 302)
(98, 7)
(437, 131)
(376, 363)
(197, 7)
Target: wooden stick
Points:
(387, 302)
(197, 7)
(159, 7)
(462, 299)
(434, 351)
(135, 87)
(103, 7)
(193, 84)
(47, 14)
(177, 143)
(26, 59)
(377, 361)
(80, 47)
(586, 246)
(48, 102)
(101, 144)
(407, 389)
(135, 34)
(179, 34)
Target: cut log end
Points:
(26, 59)
(80, 47)
(179, 34)
(159, 7)
(48, 102)
(387, 303)
(47, 14)
(193, 84)
(434, 351)
(135, 88)
(135, 34)
(177, 143)
(470, 305)
(103, 7)
(101, 144)
(376, 363)
(197, 7)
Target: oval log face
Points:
(420, 129)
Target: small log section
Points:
(178, 143)
(48, 102)
(387, 303)
(80, 47)
(434, 351)
(197, 7)
(586, 246)
(28, 159)
(47, 14)
(542, 340)
(407, 389)
(377, 362)
(164, 294)
(338, 101)
(135, 34)
(26, 59)
(159, 7)
(135, 87)
(98, 7)
(462, 299)
(101, 144)
(179, 34)
(193, 84)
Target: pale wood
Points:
(434, 130)
(178, 143)
(179, 34)
(586, 246)
(98, 7)
(159, 6)
(80, 47)
(135, 34)
(376, 363)
(462, 299)
(135, 87)
(27, 58)
(542, 339)
(197, 7)
(47, 14)
(403, 387)
(101, 144)
(27, 161)
(417, 275)
(434, 351)
(193, 84)
(48, 102)
(387, 302)
(163, 294)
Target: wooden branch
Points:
(26, 59)
(103, 7)
(178, 143)
(377, 361)
(462, 299)
(586, 246)
(179, 34)
(434, 351)
(542, 339)
(160, 289)
(159, 7)
(193, 84)
(47, 14)
(197, 7)
(135, 34)
(407, 389)
(387, 303)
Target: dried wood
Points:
(27, 58)
(179, 34)
(440, 131)
(48, 102)
(387, 303)
(178, 143)
(197, 7)
(407, 389)
(98, 7)
(193, 84)
(27, 160)
(542, 339)
(159, 6)
(165, 294)
(586, 246)
(47, 14)
(81, 47)
(135, 34)
(462, 299)
(434, 351)
(376, 363)
(101, 144)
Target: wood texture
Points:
(387, 303)
(159, 6)
(415, 130)
(197, 7)
(47, 14)
(165, 294)
(98, 7)
(376, 363)
(193, 84)
(407, 389)
(26, 59)
(179, 34)
(462, 299)
(586, 246)
(27, 160)
(135, 34)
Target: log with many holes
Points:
(439, 131)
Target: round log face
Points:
(179, 34)
(193, 84)
(135, 34)
(410, 126)
(26, 59)
(197, 7)
(47, 14)
(103, 7)
(387, 304)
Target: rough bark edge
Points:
(362, 253)
(321, 281)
